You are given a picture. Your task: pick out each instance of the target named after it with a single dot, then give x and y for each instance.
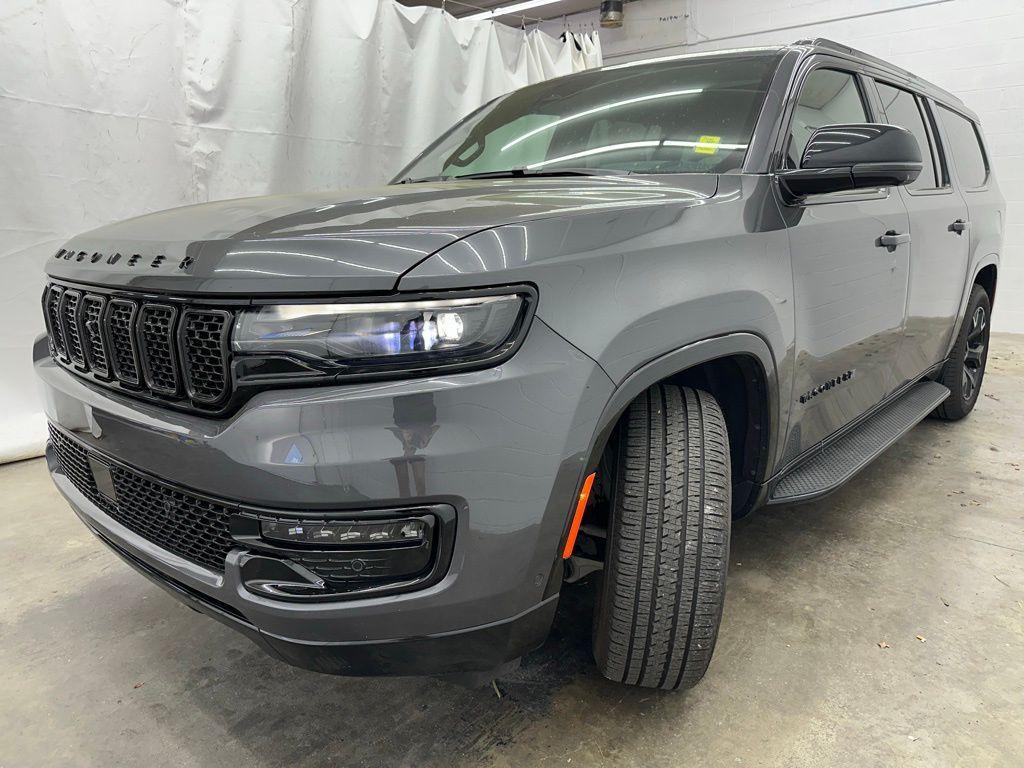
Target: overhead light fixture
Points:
(505, 10)
(611, 13)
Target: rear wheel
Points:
(664, 585)
(965, 369)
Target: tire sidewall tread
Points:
(664, 587)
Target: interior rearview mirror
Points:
(853, 156)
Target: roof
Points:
(694, 55)
(824, 45)
(808, 47)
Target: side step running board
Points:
(839, 460)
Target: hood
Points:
(335, 242)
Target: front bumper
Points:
(504, 447)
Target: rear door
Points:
(973, 178)
(849, 292)
(940, 239)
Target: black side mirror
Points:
(853, 156)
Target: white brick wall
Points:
(974, 48)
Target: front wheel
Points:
(965, 369)
(664, 585)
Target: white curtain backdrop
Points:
(111, 109)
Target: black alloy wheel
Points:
(965, 369)
(975, 354)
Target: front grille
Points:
(164, 350)
(188, 525)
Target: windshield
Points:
(692, 114)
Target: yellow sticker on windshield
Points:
(707, 145)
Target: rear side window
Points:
(902, 108)
(827, 97)
(965, 147)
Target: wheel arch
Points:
(985, 273)
(740, 370)
(986, 277)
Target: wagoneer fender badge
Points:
(842, 378)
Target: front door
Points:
(849, 291)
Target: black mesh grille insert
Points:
(95, 349)
(205, 339)
(156, 338)
(120, 319)
(75, 464)
(188, 525)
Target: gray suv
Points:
(596, 321)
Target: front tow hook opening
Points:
(278, 578)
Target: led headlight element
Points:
(450, 326)
(328, 533)
(377, 334)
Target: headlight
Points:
(369, 337)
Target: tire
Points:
(664, 583)
(964, 371)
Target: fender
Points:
(989, 260)
(642, 377)
(677, 361)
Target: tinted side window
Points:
(903, 109)
(827, 97)
(965, 147)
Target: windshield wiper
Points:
(520, 173)
(411, 180)
(516, 173)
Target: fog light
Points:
(345, 533)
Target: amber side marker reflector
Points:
(577, 518)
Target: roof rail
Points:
(824, 44)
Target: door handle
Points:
(891, 239)
(959, 226)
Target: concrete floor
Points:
(923, 553)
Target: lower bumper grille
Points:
(198, 529)
(180, 522)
